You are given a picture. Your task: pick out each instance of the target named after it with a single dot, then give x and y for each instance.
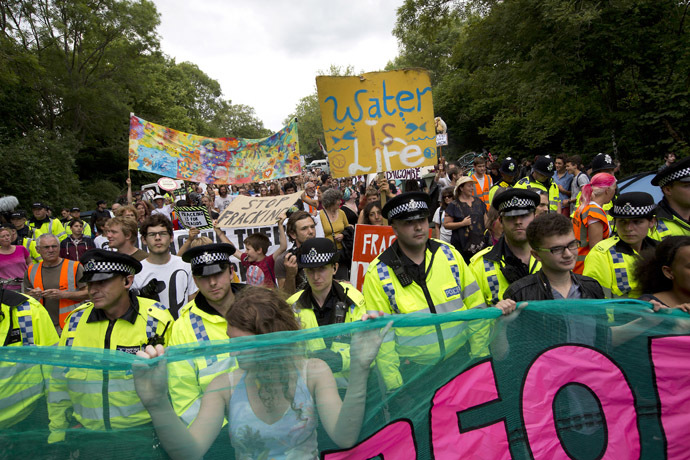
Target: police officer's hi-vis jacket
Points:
(23, 323)
(668, 223)
(530, 182)
(448, 286)
(104, 399)
(611, 262)
(489, 269)
(198, 322)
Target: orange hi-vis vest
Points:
(68, 282)
(581, 221)
(482, 193)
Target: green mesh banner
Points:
(578, 379)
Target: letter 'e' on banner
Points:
(379, 121)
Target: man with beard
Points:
(163, 276)
(510, 259)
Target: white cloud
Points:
(266, 53)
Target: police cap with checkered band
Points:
(100, 265)
(317, 252)
(678, 171)
(515, 202)
(209, 259)
(407, 206)
(633, 205)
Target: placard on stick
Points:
(247, 211)
(194, 216)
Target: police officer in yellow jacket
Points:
(673, 212)
(23, 323)
(416, 274)
(325, 301)
(542, 179)
(114, 319)
(509, 172)
(510, 259)
(611, 261)
(200, 321)
(42, 223)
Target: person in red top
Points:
(76, 244)
(590, 222)
(260, 268)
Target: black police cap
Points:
(544, 165)
(509, 167)
(516, 202)
(602, 162)
(317, 252)
(678, 171)
(407, 206)
(633, 205)
(209, 259)
(100, 265)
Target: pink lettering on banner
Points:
(393, 441)
(472, 388)
(672, 376)
(576, 364)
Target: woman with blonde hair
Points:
(590, 222)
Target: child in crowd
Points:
(261, 267)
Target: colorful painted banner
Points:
(379, 121)
(194, 216)
(226, 160)
(245, 211)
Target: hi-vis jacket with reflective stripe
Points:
(668, 223)
(68, 282)
(486, 267)
(498, 187)
(530, 182)
(102, 399)
(482, 193)
(611, 263)
(449, 286)
(23, 322)
(198, 322)
(49, 225)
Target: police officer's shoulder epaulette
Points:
(13, 298)
(603, 246)
(82, 306)
(524, 180)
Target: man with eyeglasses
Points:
(55, 281)
(553, 243)
(163, 276)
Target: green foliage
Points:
(72, 71)
(525, 77)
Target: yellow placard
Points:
(379, 121)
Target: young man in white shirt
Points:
(163, 277)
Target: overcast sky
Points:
(266, 53)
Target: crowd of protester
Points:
(506, 233)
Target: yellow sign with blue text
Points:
(379, 121)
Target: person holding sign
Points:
(261, 267)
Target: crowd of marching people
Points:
(502, 233)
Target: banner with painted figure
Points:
(226, 160)
(379, 121)
(558, 379)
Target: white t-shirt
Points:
(177, 276)
(102, 242)
(438, 220)
(166, 210)
(222, 203)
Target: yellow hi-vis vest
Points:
(450, 286)
(53, 226)
(554, 194)
(24, 323)
(610, 262)
(189, 379)
(668, 223)
(103, 399)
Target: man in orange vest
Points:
(482, 181)
(54, 281)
